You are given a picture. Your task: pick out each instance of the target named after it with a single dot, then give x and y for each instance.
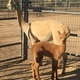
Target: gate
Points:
(11, 39)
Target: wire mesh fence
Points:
(65, 5)
(71, 20)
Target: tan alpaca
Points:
(53, 51)
(45, 30)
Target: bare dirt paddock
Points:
(17, 70)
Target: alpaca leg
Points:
(64, 62)
(37, 71)
(33, 70)
(59, 63)
(54, 70)
(38, 59)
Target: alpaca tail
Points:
(31, 35)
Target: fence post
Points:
(25, 7)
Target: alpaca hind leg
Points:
(59, 63)
(38, 60)
(37, 71)
(33, 70)
(64, 62)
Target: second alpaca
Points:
(53, 51)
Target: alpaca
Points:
(53, 51)
(45, 30)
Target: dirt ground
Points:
(16, 70)
(21, 70)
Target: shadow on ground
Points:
(21, 70)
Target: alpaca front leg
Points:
(54, 70)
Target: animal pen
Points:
(11, 43)
(14, 43)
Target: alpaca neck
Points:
(20, 18)
(62, 48)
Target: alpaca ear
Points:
(67, 34)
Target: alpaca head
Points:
(13, 4)
(62, 37)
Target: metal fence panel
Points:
(10, 34)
